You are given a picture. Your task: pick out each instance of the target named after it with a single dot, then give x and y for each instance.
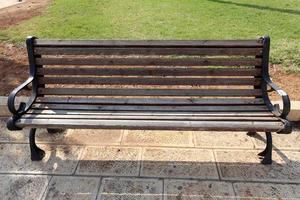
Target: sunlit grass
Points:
(171, 19)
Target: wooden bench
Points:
(208, 85)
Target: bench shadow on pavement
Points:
(164, 168)
(285, 171)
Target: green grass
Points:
(171, 19)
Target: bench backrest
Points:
(221, 68)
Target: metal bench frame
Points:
(38, 154)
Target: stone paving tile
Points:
(280, 141)
(158, 138)
(178, 162)
(21, 136)
(245, 165)
(110, 161)
(69, 136)
(75, 188)
(197, 190)
(249, 191)
(223, 140)
(20, 187)
(92, 137)
(15, 158)
(12, 136)
(130, 188)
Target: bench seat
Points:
(153, 122)
(190, 116)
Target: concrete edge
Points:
(294, 114)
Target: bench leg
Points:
(267, 153)
(52, 131)
(251, 133)
(36, 153)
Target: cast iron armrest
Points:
(23, 107)
(285, 99)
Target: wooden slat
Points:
(153, 124)
(228, 115)
(151, 71)
(153, 113)
(150, 81)
(149, 92)
(149, 101)
(147, 51)
(151, 61)
(149, 43)
(155, 117)
(213, 108)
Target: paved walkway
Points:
(6, 3)
(118, 164)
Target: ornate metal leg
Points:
(52, 131)
(267, 153)
(36, 153)
(251, 133)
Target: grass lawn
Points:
(171, 19)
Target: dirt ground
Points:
(13, 60)
(14, 65)
(17, 13)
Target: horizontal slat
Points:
(153, 113)
(155, 117)
(153, 124)
(149, 43)
(154, 101)
(150, 81)
(151, 71)
(149, 108)
(146, 51)
(149, 92)
(151, 61)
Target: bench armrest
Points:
(285, 99)
(23, 107)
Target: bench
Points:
(192, 85)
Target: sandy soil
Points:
(289, 82)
